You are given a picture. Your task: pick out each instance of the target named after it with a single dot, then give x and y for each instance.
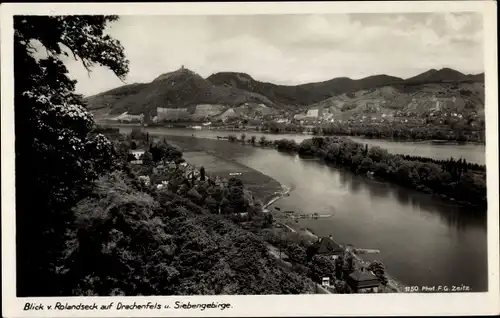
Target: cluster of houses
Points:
(360, 280)
(188, 171)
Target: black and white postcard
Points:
(249, 159)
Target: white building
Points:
(282, 121)
(312, 113)
(126, 117)
(137, 156)
(171, 113)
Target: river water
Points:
(474, 153)
(424, 240)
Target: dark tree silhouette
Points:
(56, 157)
(202, 173)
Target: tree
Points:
(56, 158)
(202, 173)
(348, 266)
(321, 266)
(263, 141)
(117, 229)
(366, 165)
(339, 261)
(379, 270)
(137, 134)
(147, 158)
(236, 196)
(252, 140)
(296, 253)
(193, 178)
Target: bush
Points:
(322, 266)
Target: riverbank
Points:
(471, 152)
(263, 187)
(189, 126)
(454, 180)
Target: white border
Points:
(310, 305)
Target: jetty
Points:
(311, 216)
(291, 214)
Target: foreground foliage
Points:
(157, 242)
(56, 157)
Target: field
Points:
(199, 152)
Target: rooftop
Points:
(327, 246)
(363, 276)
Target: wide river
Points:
(471, 152)
(424, 240)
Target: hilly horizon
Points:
(184, 88)
(310, 93)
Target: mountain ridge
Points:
(184, 88)
(301, 95)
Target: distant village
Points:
(257, 117)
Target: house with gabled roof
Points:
(363, 281)
(325, 246)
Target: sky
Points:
(291, 49)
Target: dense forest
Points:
(455, 179)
